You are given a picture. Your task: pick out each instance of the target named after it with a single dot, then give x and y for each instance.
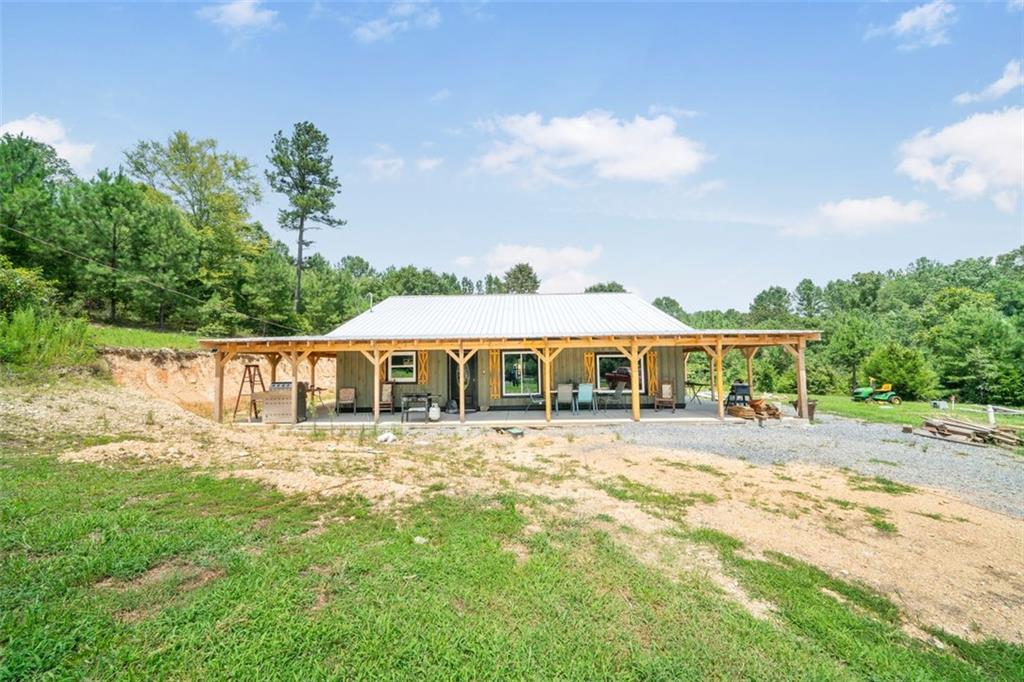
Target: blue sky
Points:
(694, 150)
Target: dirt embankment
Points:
(187, 377)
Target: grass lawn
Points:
(157, 573)
(906, 413)
(130, 337)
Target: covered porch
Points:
(478, 380)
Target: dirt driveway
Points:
(945, 562)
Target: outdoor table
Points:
(695, 388)
(416, 402)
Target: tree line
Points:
(168, 240)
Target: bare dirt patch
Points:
(947, 563)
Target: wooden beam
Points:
(719, 383)
(273, 359)
(546, 385)
(293, 360)
(375, 359)
(462, 389)
(634, 379)
(749, 353)
(218, 387)
(686, 358)
(801, 382)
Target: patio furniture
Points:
(666, 397)
(616, 396)
(387, 396)
(585, 396)
(738, 394)
(346, 396)
(416, 402)
(565, 394)
(535, 399)
(695, 389)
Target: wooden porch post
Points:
(750, 353)
(293, 362)
(461, 357)
(719, 384)
(634, 378)
(801, 380)
(218, 386)
(547, 384)
(274, 359)
(797, 352)
(462, 385)
(686, 358)
(313, 359)
(376, 385)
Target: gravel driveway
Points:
(988, 477)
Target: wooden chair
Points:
(666, 397)
(346, 396)
(387, 396)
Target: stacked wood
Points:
(969, 432)
(741, 411)
(765, 410)
(758, 409)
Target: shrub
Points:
(22, 287)
(905, 368)
(32, 339)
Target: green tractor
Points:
(868, 394)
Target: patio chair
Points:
(586, 397)
(535, 399)
(387, 396)
(564, 395)
(666, 398)
(616, 397)
(346, 396)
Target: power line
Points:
(140, 277)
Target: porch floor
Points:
(706, 411)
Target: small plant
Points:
(150, 419)
(884, 526)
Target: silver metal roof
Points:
(518, 316)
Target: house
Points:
(489, 352)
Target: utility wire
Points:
(140, 277)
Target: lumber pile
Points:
(758, 409)
(969, 432)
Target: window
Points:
(520, 372)
(611, 362)
(402, 368)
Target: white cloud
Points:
(440, 96)
(561, 270)
(52, 132)
(1011, 79)
(384, 166)
(644, 149)
(857, 216)
(239, 16)
(428, 164)
(400, 17)
(1014, 5)
(923, 26)
(465, 261)
(983, 155)
(674, 112)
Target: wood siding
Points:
(353, 370)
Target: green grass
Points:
(110, 573)
(131, 337)
(909, 412)
(878, 484)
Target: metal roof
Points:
(514, 316)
